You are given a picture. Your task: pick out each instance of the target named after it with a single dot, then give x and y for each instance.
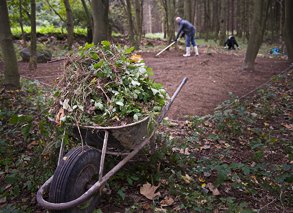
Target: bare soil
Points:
(211, 77)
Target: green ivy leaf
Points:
(121, 193)
(155, 91)
(99, 64)
(94, 56)
(120, 103)
(135, 117)
(106, 44)
(129, 50)
(135, 83)
(99, 105)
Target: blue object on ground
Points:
(275, 51)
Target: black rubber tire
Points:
(78, 170)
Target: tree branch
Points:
(52, 8)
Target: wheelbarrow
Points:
(79, 177)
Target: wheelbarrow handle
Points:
(168, 105)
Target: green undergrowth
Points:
(238, 159)
(25, 132)
(16, 31)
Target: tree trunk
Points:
(207, 19)
(150, 26)
(100, 17)
(216, 24)
(288, 29)
(21, 23)
(180, 8)
(166, 15)
(232, 17)
(240, 17)
(33, 49)
(188, 10)
(138, 17)
(171, 20)
(130, 23)
(69, 24)
(256, 34)
(89, 22)
(11, 75)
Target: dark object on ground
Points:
(42, 55)
(231, 41)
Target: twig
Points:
(32, 79)
(52, 8)
(101, 88)
(280, 197)
(82, 143)
(61, 148)
(58, 59)
(267, 205)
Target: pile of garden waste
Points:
(106, 85)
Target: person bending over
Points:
(231, 41)
(188, 30)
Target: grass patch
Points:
(16, 31)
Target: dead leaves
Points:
(181, 151)
(167, 201)
(213, 189)
(59, 116)
(136, 58)
(32, 144)
(288, 126)
(187, 179)
(149, 191)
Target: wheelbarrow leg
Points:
(104, 150)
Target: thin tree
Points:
(33, 49)
(11, 75)
(289, 29)
(207, 19)
(134, 23)
(257, 31)
(138, 20)
(69, 24)
(171, 5)
(100, 10)
(188, 10)
(215, 20)
(166, 15)
(21, 22)
(232, 17)
(130, 23)
(89, 22)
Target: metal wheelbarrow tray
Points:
(74, 186)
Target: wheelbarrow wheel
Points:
(76, 173)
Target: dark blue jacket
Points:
(186, 27)
(231, 41)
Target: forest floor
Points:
(233, 158)
(213, 77)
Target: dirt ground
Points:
(211, 77)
